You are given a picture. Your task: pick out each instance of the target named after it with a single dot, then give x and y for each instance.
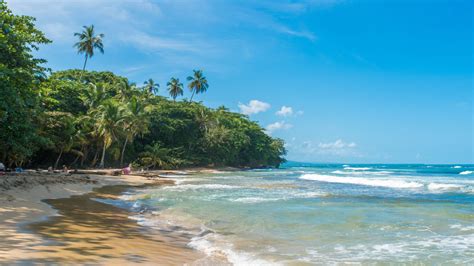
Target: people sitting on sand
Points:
(19, 170)
(65, 170)
(127, 170)
(50, 169)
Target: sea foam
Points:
(466, 172)
(390, 183)
(199, 186)
(289, 196)
(214, 245)
(444, 187)
(357, 168)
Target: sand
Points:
(51, 219)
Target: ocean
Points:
(319, 214)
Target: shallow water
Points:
(87, 231)
(321, 214)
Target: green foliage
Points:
(120, 123)
(151, 86)
(20, 74)
(156, 155)
(89, 118)
(88, 42)
(197, 83)
(175, 88)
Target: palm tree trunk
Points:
(96, 156)
(101, 165)
(75, 160)
(85, 62)
(57, 160)
(192, 95)
(84, 156)
(123, 151)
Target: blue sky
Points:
(339, 81)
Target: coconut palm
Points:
(108, 124)
(156, 155)
(175, 88)
(93, 95)
(151, 86)
(135, 122)
(88, 41)
(197, 83)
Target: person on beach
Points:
(127, 170)
(65, 170)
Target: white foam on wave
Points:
(298, 195)
(466, 172)
(200, 186)
(457, 167)
(357, 168)
(361, 172)
(255, 199)
(444, 187)
(181, 180)
(390, 183)
(462, 228)
(213, 245)
(458, 247)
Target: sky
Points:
(338, 80)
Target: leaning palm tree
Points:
(175, 88)
(108, 124)
(197, 83)
(135, 122)
(151, 86)
(88, 41)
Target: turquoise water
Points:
(321, 214)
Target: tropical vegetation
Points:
(88, 42)
(99, 119)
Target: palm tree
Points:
(175, 88)
(93, 95)
(108, 119)
(151, 86)
(156, 155)
(62, 130)
(88, 41)
(135, 122)
(197, 83)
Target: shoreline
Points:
(35, 204)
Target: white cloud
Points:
(254, 107)
(278, 126)
(336, 149)
(285, 111)
(336, 145)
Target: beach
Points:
(300, 214)
(52, 218)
